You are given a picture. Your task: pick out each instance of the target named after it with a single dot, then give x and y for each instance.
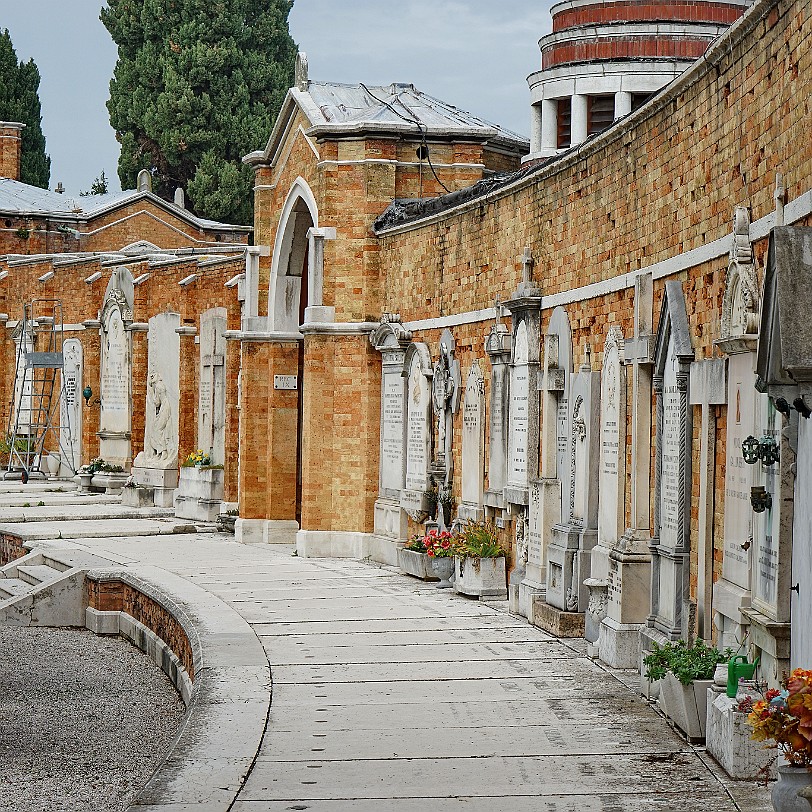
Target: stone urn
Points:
(85, 478)
(793, 790)
(54, 461)
(443, 568)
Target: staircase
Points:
(46, 587)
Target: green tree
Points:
(197, 85)
(98, 187)
(19, 101)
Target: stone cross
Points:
(527, 266)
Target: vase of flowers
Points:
(785, 717)
(440, 548)
(413, 560)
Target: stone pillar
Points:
(580, 117)
(138, 331)
(536, 119)
(340, 421)
(549, 127)
(623, 104)
(187, 436)
(316, 311)
(91, 346)
(269, 431)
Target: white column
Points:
(535, 128)
(316, 311)
(579, 118)
(623, 104)
(549, 127)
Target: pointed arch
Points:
(288, 272)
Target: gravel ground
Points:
(84, 720)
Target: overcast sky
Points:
(475, 54)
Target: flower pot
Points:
(84, 481)
(686, 705)
(416, 564)
(200, 493)
(443, 568)
(791, 781)
(480, 577)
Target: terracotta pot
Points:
(791, 781)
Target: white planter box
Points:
(480, 577)
(686, 705)
(416, 564)
(199, 494)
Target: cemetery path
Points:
(389, 694)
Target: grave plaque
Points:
(392, 431)
(498, 347)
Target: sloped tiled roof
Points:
(20, 199)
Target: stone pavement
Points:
(389, 694)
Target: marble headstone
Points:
(211, 423)
(473, 445)
(498, 346)
(418, 430)
(115, 420)
(70, 408)
(518, 419)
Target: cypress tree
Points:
(19, 101)
(197, 85)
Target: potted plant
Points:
(440, 548)
(413, 560)
(785, 717)
(479, 565)
(686, 673)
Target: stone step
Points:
(36, 574)
(12, 588)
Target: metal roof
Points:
(398, 107)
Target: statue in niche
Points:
(442, 387)
(160, 445)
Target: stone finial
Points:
(144, 183)
(180, 198)
(301, 77)
(779, 196)
(527, 266)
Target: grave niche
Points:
(670, 617)
(391, 339)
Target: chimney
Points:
(10, 149)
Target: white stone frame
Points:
(280, 262)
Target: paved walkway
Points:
(389, 694)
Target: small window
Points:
(564, 123)
(601, 113)
(639, 99)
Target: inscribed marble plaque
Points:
(70, 407)
(612, 443)
(392, 431)
(519, 412)
(418, 437)
(670, 505)
(473, 438)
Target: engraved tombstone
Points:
(498, 347)
(518, 418)
(419, 373)
(670, 545)
(391, 339)
(115, 419)
(473, 446)
(70, 408)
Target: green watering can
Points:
(738, 668)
